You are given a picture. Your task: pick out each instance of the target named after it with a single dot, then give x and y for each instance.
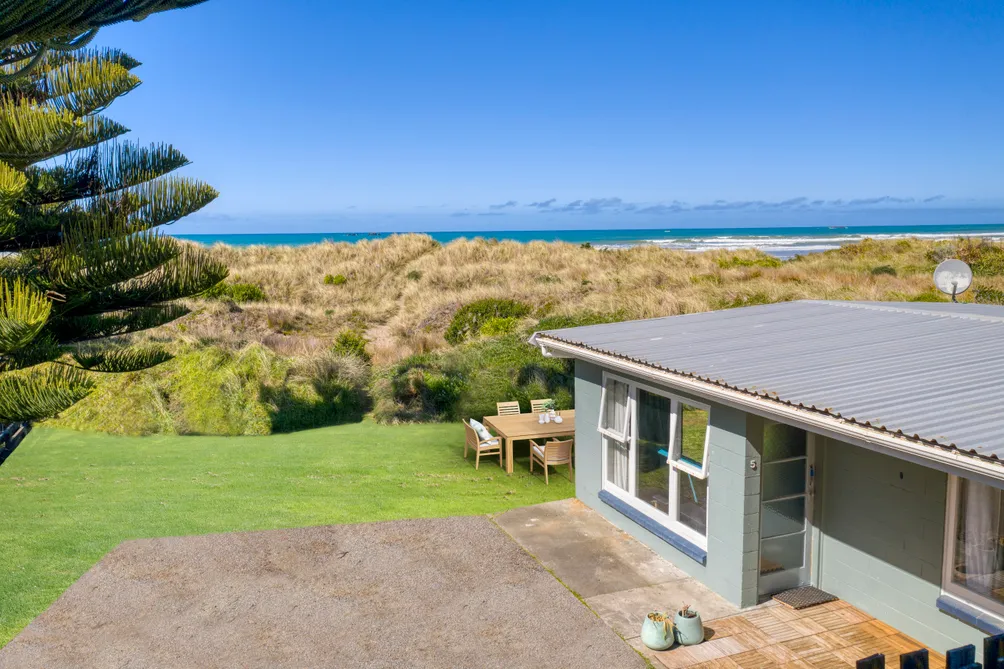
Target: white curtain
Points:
(617, 463)
(980, 518)
(615, 409)
(616, 419)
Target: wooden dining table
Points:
(527, 426)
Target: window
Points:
(974, 544)
(656, 455)
(615, 419)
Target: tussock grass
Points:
(401, 294)
(404, 290)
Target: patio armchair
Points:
(507, 408)
(551, 453)
(481, 446)
(538, 406)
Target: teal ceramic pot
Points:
(689, 631)
(657, 635)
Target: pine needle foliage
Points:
(33, 30)
(80, 210)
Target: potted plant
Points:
(689, 627)
(657, 631)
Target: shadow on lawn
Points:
(333, 404)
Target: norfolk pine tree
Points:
(83, 260)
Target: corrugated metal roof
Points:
(931, 371)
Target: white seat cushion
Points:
(539, 450)
(489, 444)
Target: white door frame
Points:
(805, 574)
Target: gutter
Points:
(949, 457)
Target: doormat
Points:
(804, 597)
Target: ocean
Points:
(783, 242)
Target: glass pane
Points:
(979, 558)
(615, 414)
(782, 517)
(617, 463)
(781, 479)
(782, 441)
(653, 449)
(782, 553)
(694, 432)
(693, 500)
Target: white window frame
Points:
(624, 436)
(676, 454)
(669, 520)
(985, 605)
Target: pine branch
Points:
(96, 256)
(30, 133)
(43, 349)
(102, 170)
(12, 186)
(41, 392)
(117, 361)
(65, 21)
(154, 203)
(86, 86)
(190, 274)
(24, 311)
(38, 227)
(99, 326)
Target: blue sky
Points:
(357, 115)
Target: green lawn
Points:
(69, 497)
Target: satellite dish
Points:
(953, 277)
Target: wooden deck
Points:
(828, 636)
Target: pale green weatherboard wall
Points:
(882, 541)
(734, 493)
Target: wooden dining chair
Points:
(507, 408)
(481, 446)
(537, 406)
(552, 453)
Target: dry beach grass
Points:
(401, 293)
(403, 290)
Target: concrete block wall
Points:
(733, 497)
(882, 526)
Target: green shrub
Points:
(749, 259)
(985, 257)
(352, 343)
(494, 327)
(334, 279)
(746, 300)
(576, 320)
(467, 381)
(988, 296)
(236, 292)
(467, 322)
(989, 261)
(585, 245)
(929, 295)
(414, 275)
(883, 269)
(209, 390)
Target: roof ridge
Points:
(886, 306)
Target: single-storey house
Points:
(852, 446)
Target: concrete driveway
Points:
(453, 592)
